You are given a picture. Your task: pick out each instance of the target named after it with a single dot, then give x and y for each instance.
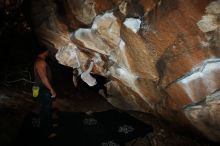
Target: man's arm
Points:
(42, 72)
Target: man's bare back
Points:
(41, 69)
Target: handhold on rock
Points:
(86, 77)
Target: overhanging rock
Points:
(158, 55)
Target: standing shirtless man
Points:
(46, 94)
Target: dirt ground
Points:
(14, 105)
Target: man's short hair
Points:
(40, 50)
(38, 47)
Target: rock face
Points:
(160, 56)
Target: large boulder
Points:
(159, 56)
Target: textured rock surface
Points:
(160, 56)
